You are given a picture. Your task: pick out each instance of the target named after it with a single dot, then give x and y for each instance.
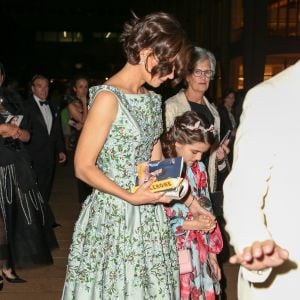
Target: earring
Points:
(142, 62)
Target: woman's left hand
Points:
(215, 265)
(8, 130)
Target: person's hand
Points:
(143, 195)
(83, 99)
(78, 125)
(223, 150)
(233, 132)
(215, 268)
(261, 255)
(196, 209)
(8, 130)
(205, 223)
(203, 219)
(62, 157)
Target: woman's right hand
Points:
(143, 195)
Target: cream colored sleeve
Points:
(255, 276)
(247, 184)
(170, 114)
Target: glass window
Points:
(237, 71)
(63, 36)
(105, 35)
(77, 37)
(237, 22)
(277, 63)
(284, 17)
(49, 36)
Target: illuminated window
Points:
(65, 37)
(237, 22)
(62, 36)
(284, 17)
(105, 35)
(77, 37)
(237, 69)
(277, 63)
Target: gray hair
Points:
(198, 55)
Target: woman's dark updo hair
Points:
(163, 34)
(181, 134)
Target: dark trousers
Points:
(44, 174)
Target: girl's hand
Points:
(196, 209)
(202, 223)
(206, 223)
(143, 195)
(215, 265)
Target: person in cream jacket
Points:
(261, 194)
(200, 71)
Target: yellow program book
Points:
(168, 174)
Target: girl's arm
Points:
(202, 223)
(214, 265)
(91, 141)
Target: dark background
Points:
(23, 55)
(251, 39)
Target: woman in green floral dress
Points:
(123, 247)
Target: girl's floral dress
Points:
(201, 282)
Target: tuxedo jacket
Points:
(44, 147)
(261, 194)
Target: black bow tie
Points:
(44, 102)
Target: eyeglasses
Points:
(207, 73)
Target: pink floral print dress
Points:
(201, 282)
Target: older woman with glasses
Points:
(200, 71)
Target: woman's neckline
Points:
(202, 102)
(147, 93)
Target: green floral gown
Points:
(122, 251)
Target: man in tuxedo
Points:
(47, 143)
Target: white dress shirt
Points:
(46, 112)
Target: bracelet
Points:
(188, 206)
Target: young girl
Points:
(190, 138)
